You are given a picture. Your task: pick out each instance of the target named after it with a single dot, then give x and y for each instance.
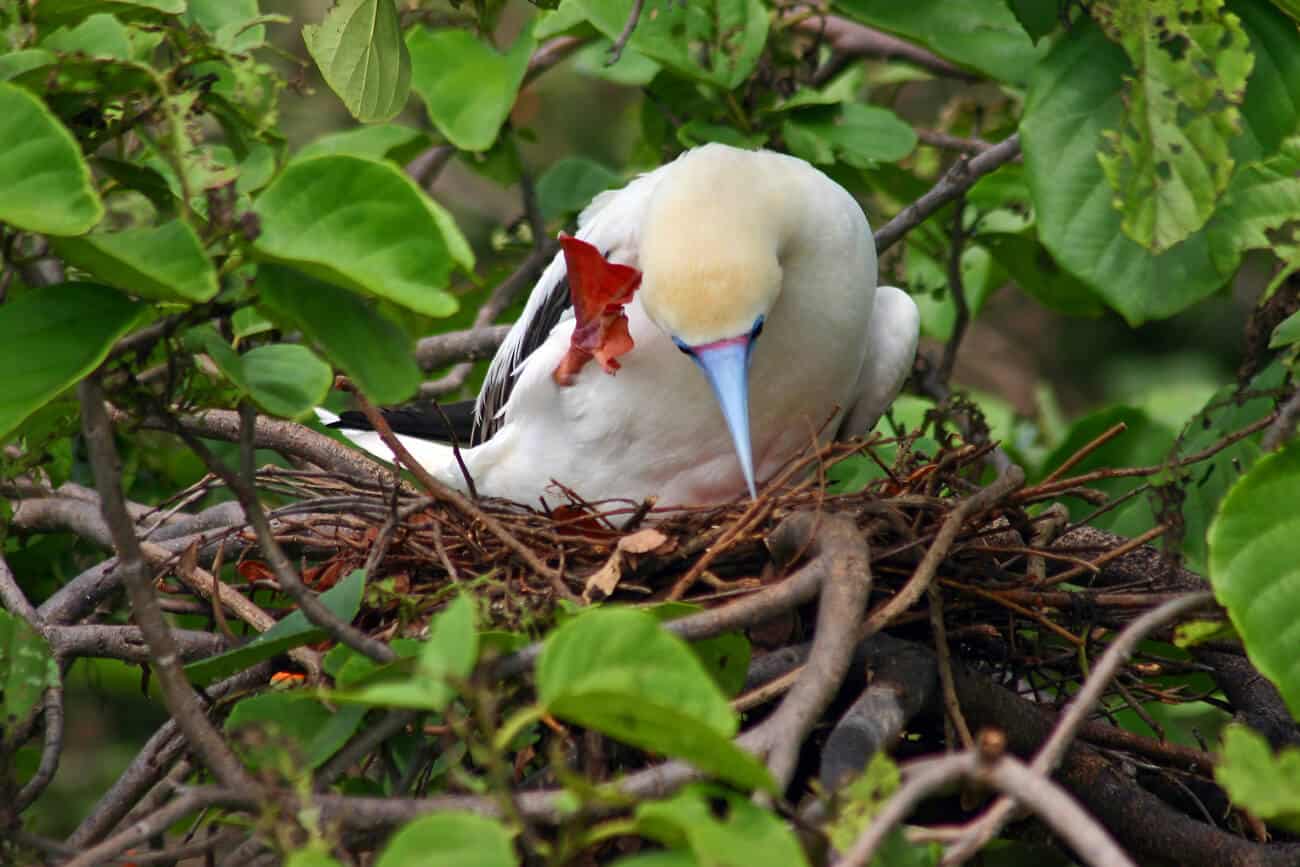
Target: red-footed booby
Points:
(729, 303)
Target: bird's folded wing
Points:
(612, 223)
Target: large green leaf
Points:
(1255, 566)
(713, 41)
(721, 828)
(428, 681)
(45, 185)
(53, 13)
(982, 34)
(165, 262)
(1262, 197)
(53, 336)
(295, 630)
(99, 36)
(377, 141)
(26, 668)
(285, 379)
(363, 224)
(361, 56)
(231, 22)
(450, 840)
(316, 731)
(569, 185)
(1262, 783)
(1168, 162)
(618, 671)
(466, 85)
(1076, 94)
(372, 349)
(860, 135)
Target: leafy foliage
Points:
(1257, 779)
(1255, 566)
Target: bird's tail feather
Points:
(435, 457)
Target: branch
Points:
(104, 641)
(178, 695)
(473, 344)
(957, 180)
(852, 41)
(616, 50)
(1050, 754)
(13, 598)
(51, 749)
(157, 823)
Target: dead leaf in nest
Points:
(606, 578)
(642, 541)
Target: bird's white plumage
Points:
(706, 231)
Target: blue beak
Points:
(726, 364)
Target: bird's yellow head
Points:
(711, 270)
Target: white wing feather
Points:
(612, 223)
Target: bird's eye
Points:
(681, 344)
(757, 329)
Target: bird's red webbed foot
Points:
(598, 289)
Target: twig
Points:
(458, 500)
(12, 596)
(957, 180)
(851, 41)
(1049, 755)
(157, 823)
(951, 705)
(110, 641)
(616, 49)
(916, 586)
(1088, 448)
(1284, 427)
(473, 344)
(945, 141)
(179, 696)
(957, 287)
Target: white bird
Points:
(729, 243)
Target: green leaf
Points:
(450, 840)
(858, 802)
(368, 346)
(697, 132)
(667, 858)
(466, 85)
(1262, 198)
(53, 13)
(365, 225)
(725, 657)
(164, 262)
(248, 322)
(427, 681)
(27, 667)
(15, 63)
(45, 185)
(53, 336)
(721, 828)
(361, 56)
(1287, 333)
(286, 379)
(632, 69)
(230, 21)
(982, 34)
(713, 41)
(311, 857)
(1038, 17)
(1076, 94)
(618, 671)
(99, 36)
(380, 141)
(316, 731)
(1035, 271)
(295, 630)
(569, 185)
(860, 135)
(1168, 162)
(1265, 784)
(1255, 566)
